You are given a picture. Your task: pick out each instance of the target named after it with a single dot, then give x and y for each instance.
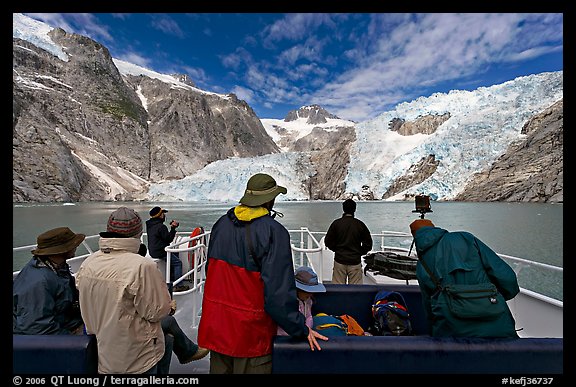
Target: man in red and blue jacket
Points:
(250, 288)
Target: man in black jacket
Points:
(158, 238)
(349, 238)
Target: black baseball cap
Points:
(157, 211)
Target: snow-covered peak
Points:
(127, 68)
(36, 32)
(293, 130)
(300, 123)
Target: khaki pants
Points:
(352, 273)
(224, 364)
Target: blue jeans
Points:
(175, 341)
(175, 267)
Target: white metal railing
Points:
(526, 263)
(196, 247)
(312, 252)
(307, 246)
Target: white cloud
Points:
(243, 93)
(167, 25)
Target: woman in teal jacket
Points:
(460, 258)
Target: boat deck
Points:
(537, 315)
(201, 366)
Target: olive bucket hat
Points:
(261, 188)
(57, 241)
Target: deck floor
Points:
(201, 366)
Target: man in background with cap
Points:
(44, 294)
(159, 238)
(349, 239)
(123, 298)
(250, 287)
(460, 258)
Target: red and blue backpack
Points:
(391, 316)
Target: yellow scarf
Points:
(246, 214)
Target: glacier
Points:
(482, 124)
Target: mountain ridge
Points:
(104, 129)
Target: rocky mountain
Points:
(531, 170)
(71, 118)
(416, 174)
(314, 114)
(84, 130)
(325, 140)
(189, 129)
(90, 127)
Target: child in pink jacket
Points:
(306, 284)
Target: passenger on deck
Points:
(349, 239)
(460, 258)
(44, 294)
(159, 238)
(123, 298)
(306, 285)
(175, 339)
(250, 288)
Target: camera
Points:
(422, 203)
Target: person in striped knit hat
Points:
(123, 299)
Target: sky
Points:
(355, 65)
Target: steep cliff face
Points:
(330, 159)
(189, 129)
(426, 124)
(416, 174)
(531, 170)
(69, 117)
(81, 130)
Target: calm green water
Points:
(526, 230)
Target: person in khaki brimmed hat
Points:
(44, 292)
(250, 278)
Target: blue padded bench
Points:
(54, 354)
(418, 354)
